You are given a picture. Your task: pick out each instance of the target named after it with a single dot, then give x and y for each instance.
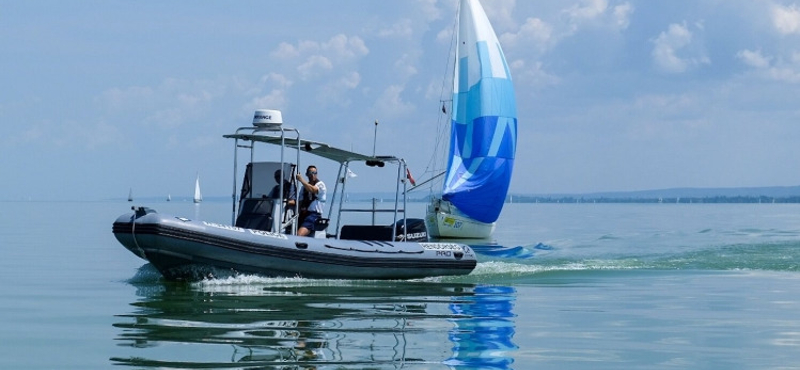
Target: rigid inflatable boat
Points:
(262, 238)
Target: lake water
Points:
(575, 286)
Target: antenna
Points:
(375, 138)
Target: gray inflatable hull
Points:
(184, 249)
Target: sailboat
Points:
(130, 195)
(197, 196)
(483, 133)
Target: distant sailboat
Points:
(197, 196)
(483, 133)
(130, 195)
(169, 197)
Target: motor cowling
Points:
(411, 230)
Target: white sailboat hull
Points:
(443, 221)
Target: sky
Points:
(99, 97)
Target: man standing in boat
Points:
(312, 200)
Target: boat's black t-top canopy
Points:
(288, 139)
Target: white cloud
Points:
(754, 58)
(277, 79)
(314, 66)
(324, 70)
(533, 75)
(621, 15)
(772, 68)
(543, 35)
(786, 19)
(277, 84)
(194, 98)
(785, 73)
(346, 47)
(391, 103)
(405, 65)
(339, 48)
(444, 36)
(667, 43)
(429, 10)
(285, 50)
(275, 99)
(401, 28)
(534, 31)
(665, 52)
(598, 12)
(501, 14)
(350, 80)
(170, 104)
(591, 9)
(335, 92)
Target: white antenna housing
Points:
(267, 118)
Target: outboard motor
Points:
(417, 232)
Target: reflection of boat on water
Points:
(483, 335)
(295, 322)
(483, 133)
(263, 237)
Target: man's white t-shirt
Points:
(319, 204)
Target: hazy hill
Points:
(717, 195)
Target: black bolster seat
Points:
(256, 214)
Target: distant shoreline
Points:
(681, 200)
(774, 194)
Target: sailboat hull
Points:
(444, 221)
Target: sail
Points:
(197, 196)
(483, 131)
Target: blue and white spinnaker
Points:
(484, 120)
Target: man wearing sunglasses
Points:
(312, 200)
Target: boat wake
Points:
(534, 264)
(518, 252)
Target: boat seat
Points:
(256, 214)
(367, 232)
